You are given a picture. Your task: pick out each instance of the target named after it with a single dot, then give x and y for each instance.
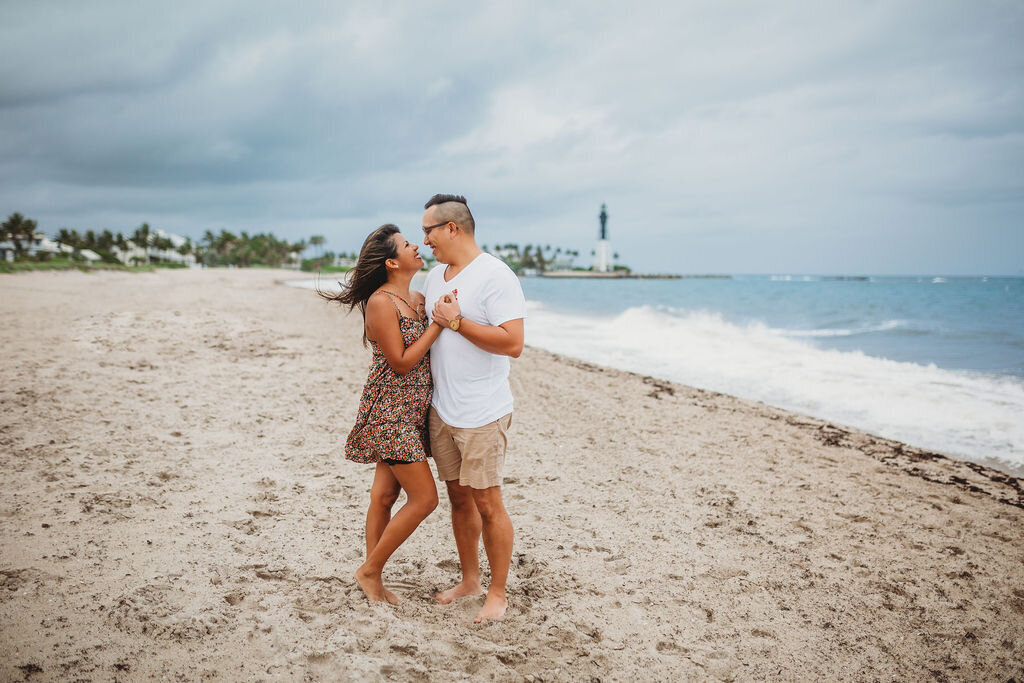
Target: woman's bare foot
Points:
(462, 590)
(494, 608)
(373, 587)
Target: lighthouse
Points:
(603, 252)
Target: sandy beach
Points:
(176, 504)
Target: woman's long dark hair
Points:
(369, 272)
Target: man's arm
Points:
(505, 339)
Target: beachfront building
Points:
(603, 252)
(172, 255)
(141, 254)
(41, 246)
(562, 261)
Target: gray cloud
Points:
(724, 137)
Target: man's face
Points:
(433, 233)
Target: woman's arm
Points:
(382, 327)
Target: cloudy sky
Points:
(743, 137)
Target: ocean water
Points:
(935, 362)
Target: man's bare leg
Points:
(466, 525)
(499, 537)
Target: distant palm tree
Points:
(105, 241)
(225, 247)
(141, 239)
(90, 239)
(17, 228)
(162, 244)
(64, 237)
(297, 248)
(317, 241)
(121, 243)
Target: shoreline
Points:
(177, 505)
(927, 435)
(888, 451)
(592, 275)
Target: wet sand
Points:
(175, 503)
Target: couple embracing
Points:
(437, 386)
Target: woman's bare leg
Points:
(418, 481)
(383, 495)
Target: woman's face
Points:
(408, 253)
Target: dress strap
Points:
(384, 291)
(412, 308)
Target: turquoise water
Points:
(954, 323)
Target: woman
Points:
(390, 428)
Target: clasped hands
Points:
(446, 309)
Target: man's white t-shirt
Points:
(471, 385)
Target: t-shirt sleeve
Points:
(505, 300)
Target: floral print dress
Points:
(392, 421)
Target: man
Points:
(479, 299)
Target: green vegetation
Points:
(146, 247)
(536, 257)
(541, 258)
(311, 265)
(25, 266)
(17, 230)
(263, 249)
(325, 262)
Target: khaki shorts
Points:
(474, 456)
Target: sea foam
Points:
(974, 416)
(969, 415)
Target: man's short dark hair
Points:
(453, 207)
(444, 199)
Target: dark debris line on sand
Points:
(904, 457)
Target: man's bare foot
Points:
(494, 608)
(373, 587)
(462, 590)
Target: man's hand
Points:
(446, 308)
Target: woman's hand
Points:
(382, 326)
(446, 309)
